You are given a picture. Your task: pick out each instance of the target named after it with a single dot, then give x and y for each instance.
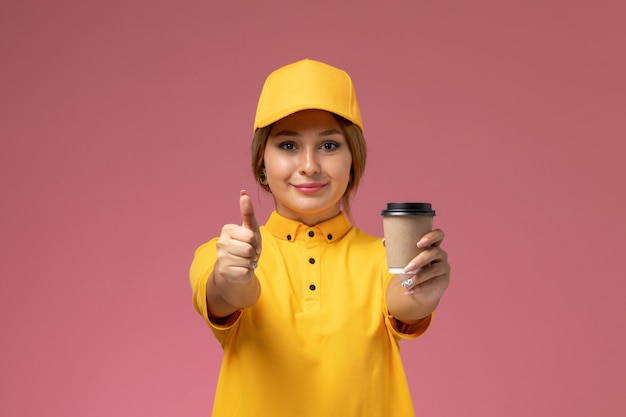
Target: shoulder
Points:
(206, 250)
(367, 247)
(356, 235)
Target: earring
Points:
(263, 178)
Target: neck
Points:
(309, 219)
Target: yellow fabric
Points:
(304, 85)
(327, 350)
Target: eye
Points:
(288, 146)
(330, 146)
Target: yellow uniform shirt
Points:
(319, 342)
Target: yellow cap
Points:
(303, 85)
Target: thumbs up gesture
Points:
(248, 220)
(239, 247)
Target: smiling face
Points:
(307, 163)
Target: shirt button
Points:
(288, 237)
(330, 237)
(311, 260)
(311, 234)
(312, 287)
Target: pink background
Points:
(125, 130)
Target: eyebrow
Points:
(328, 132)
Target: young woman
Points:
(304, 307)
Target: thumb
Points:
(248, 218)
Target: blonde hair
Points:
(358, 150)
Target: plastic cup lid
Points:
(408, 209)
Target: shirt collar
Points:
(286, 229)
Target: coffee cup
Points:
(404, 225)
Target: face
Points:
(307, 162)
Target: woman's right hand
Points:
(239, 247)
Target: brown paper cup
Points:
(404, 225)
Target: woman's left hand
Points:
(430, 282)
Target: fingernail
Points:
(423, 242)
(409, 267)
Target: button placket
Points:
(313, 244)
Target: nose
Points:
(309, 163)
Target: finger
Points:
(426, 257)
(235, 272)
(248, 219)
(236, 248)
(433, 238)
(236, 259)
(434, 273)
(433, 288)
(247, 212)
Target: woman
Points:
(308, 315)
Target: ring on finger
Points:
(407, 283)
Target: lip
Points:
(310, 187)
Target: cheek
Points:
(347, 168)
(276, 166)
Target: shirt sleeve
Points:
(201, 268)
(406, 331)
(399, 329)
(199, 273)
